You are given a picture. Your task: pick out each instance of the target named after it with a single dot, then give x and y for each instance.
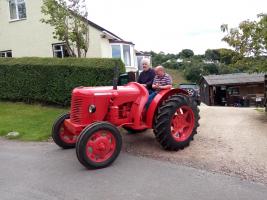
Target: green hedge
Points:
(51, 80)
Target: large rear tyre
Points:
(61, 136)
(176, 122)
(99, 145)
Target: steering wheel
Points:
(191, 91)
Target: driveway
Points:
(30, 171)
(231, 141)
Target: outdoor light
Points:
(92, 109)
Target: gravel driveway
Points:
(231, 141)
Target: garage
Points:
(239, 89)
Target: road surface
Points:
(30, 171)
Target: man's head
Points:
(159, 70)
(145, 63)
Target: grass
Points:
(33, 122)
(262, 110)
(177, 76)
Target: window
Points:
(123, 52)
(127, 55)
(17, 9)
(60, 50)
(6, 53)
(233, 91)
(116, 51)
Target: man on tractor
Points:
(161, 81)
(147, 75)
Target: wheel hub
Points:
(101, 146)
(66, 136)
(182, 123)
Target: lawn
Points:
(177, 76)
(33, 122)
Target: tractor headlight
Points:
(92, 109)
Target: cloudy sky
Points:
(173, 25)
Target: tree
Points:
(249, 38)
(212, 55)
(69, 21)
(225, 56)
(186, 53)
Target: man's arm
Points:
(168, 83)
(155, 83)
(165, 87)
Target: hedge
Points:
(51, 80)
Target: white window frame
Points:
(17, 11)
(132, 62)
(5, 52)
(59, 50)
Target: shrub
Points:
(51, 80)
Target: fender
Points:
(157, 101)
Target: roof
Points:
(238, 78)
(142, 53)
(103, 30)
(120, 41)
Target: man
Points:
(147, 75)
(162, 81)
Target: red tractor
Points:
(96, 112)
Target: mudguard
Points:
(157, 101)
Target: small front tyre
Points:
(99, 145)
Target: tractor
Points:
(97, 113)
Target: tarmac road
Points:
(42, 171)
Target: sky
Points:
(173, 25)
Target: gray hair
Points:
(145, 60)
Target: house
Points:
(240, 89)
(23, 35)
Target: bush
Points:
(51, 80)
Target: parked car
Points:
(193, 91)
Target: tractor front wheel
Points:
(176, 122)
(61, 136)
(99, 145)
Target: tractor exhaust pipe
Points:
(115, 78)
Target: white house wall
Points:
(98, 46)
(106, 49)
(30, 37)
(27, 37)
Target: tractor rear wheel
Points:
(98, 146)
(176, 122)
(61, 136)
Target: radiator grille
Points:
(76, 109)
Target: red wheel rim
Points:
(66, 136)
(100, 146)
(182, 123)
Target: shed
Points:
(239, 89)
